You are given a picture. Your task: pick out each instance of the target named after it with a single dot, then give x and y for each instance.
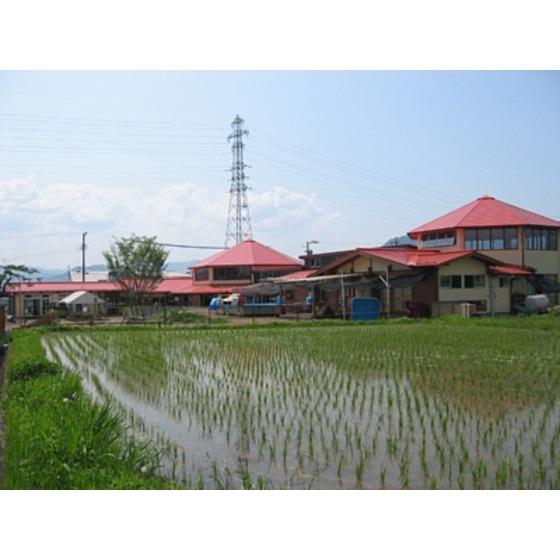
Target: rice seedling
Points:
(431, 403)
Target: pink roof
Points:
(485, 211)
(298, 274)
(249, 253)
(175, 285)
(62, 287)
(205, 289)
(167, 285)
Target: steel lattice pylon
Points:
(239, 221)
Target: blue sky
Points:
(345, 157)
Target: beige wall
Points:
(495, 299)
(364, 264)
(508, 257)
(462, 267)
(546, 262)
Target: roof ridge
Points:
(525, 211)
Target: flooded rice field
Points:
(359, 407)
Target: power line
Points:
(190, 246)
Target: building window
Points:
(495, 239)
(470, 239)
(475, 281)
(47, 306)
(450, 281)
(31, 306)
(232, 273)
(484, 239)
(441, 239)
(511, 238)
(541, 239)
(504, 282)
(201, 274)
(261, 275)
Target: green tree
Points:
(137, 263)
(14, 273)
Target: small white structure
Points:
(91, 276)
(82, 301)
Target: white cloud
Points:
(77, 204)
(42, 225)
(282, 208)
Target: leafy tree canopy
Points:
(137, 263)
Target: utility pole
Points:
(238, 226)
(308, 250)
(84, 256)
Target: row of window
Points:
(497, 239)
(539, 239)
(223, 273)
(487, 239)
(458, 281)
(441, 239)
(237, 273)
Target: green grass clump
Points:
(182, 317)
(58, 438)
(32, 369)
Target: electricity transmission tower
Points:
(238, 226)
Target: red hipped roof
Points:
(485, 211)
(249, 253)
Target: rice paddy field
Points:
(470, 404)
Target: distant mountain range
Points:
(61, 275)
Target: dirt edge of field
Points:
(3, 366)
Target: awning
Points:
(310, 281)
(208, 289)
(509, 270)
(327, 283)
(362, 281)
(410, 279)
(544, 284)
(81, 298)
(261, 289)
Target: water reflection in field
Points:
(339, 408)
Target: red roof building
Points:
(250, 253)
(487, 254)
(485, 211)
(34, 299)
(500, 229)
(248, 262)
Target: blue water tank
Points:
(365, 309)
